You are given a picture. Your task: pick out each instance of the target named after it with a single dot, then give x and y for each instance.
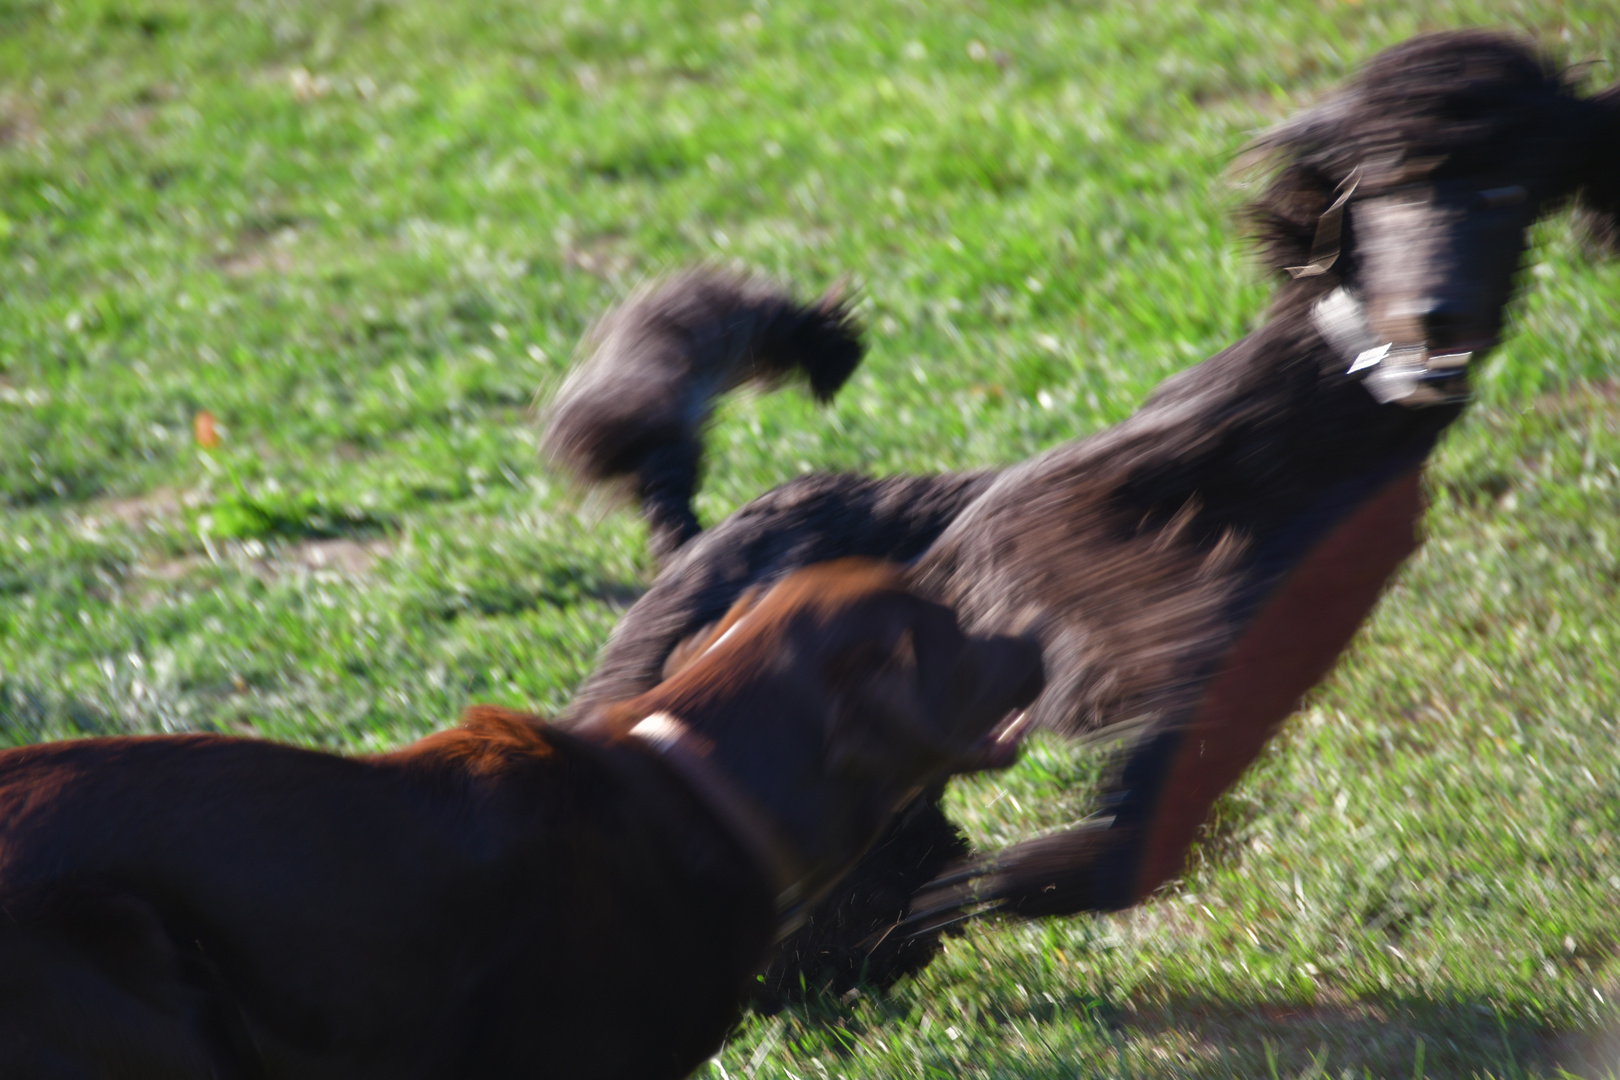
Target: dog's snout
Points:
(1445, 321)
(1035, 681)
(1017, 669)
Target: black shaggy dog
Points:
(1202, 564)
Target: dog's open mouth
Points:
(999, 747)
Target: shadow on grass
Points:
(1210, 1036)
(492, 592)
(1386, 1035)
(290, 516)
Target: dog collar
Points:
(687, 753)
(1401, 373)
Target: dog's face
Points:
(838, 694)
(906, 692)
(1443, 152)
(1438, 259)
(1462, 145)
(915, 697)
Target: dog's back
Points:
(208, 906)
(117, 857)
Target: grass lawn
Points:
(361, 233)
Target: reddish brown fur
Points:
(503, 899)
(1289, 647)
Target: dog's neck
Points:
(690, 756)
(794, 866)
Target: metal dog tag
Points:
(1394, 374)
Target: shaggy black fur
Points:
(832, 516)
(636, 407)
(1156, 548)
(819, 960)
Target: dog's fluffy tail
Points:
(635, 408)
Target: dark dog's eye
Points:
(1502, 197)
(858, 663)
(964, 676)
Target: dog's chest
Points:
(1285, 649)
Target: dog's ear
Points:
(894, 690)
(878, 704)
(696, 644)
(1599, 198)
(928, 702)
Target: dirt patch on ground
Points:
(18, 120)
(1604, 391)
(172, 570)
(338, 557)
(601, 256)
(161, 508)
(265, 245)
(258, 259)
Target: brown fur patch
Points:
(1287, 649)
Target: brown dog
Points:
(499, 900)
